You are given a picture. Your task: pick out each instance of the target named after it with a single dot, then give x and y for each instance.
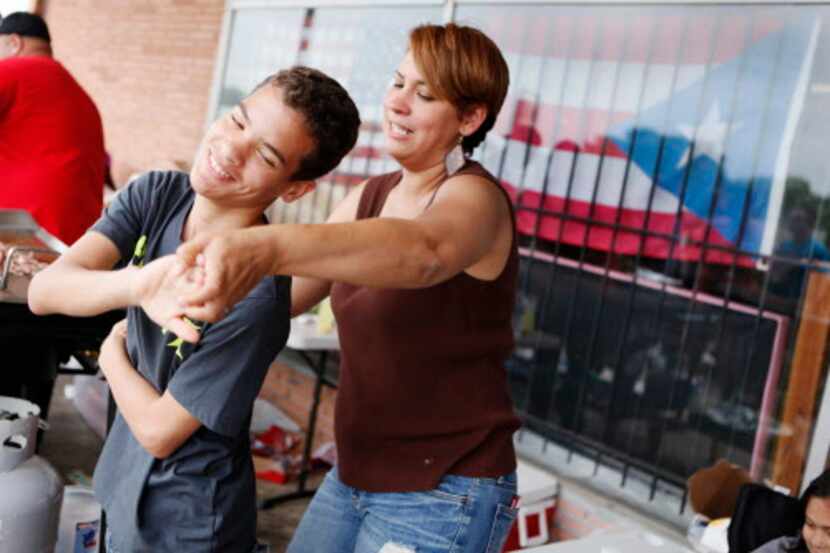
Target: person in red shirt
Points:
(52, 155)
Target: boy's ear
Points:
(297, 190)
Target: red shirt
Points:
(51, 146)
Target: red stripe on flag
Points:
(599, 237)
(586, 38)
(370, 152)
(698, 44)
(640, 36)
(767, 24)
(733, 37)
(344, 179)
(613, 31)
(544, 124)
(630, 35)
(557, 43)
(667, 39)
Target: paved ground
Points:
(72, 448)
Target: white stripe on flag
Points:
(610, 185)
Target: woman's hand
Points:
(228, 268)
(157, 286)
(114, 349)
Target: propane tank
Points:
(31, 491)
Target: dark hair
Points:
(329, 112)
(820, 487)
(465, 67)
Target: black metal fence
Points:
(655, 340)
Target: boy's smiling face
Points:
(248, 156)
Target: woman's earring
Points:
(455, 159)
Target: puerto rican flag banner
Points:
(675, 122)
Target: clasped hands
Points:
(203, 281)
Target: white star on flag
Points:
(708, 137)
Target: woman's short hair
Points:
(464, 67)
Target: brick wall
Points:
(148, 65)
(292, 390)
(577, 519)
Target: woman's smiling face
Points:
(419, 128)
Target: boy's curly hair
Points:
(330, 114)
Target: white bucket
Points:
(18, 437)
(80, 524)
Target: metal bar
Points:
(584, 445)
(525, 276)
(547, 295)
(615, 228)
(575, 293)
(770, 388)
(597, 318)
(646, 233)
(745, 215)
(703, 255)
(686, 293)
(652, 234)
(219, 65)
(319, 377)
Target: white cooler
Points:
(538, 497)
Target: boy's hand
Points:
(114, 348)
(157, 286)
(229, 267)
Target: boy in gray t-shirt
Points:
(176, 472)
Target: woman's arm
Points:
(158, 421)
(462, 227)
(458, 231)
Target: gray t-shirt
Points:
(202, 497)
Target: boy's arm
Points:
(214, 385)
(81, 283)
(158, 421)
(65, 285)
(306, 293)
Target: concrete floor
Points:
(73, 448)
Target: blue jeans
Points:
(461, 515)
